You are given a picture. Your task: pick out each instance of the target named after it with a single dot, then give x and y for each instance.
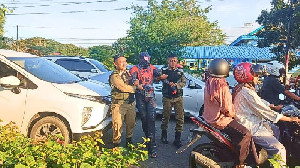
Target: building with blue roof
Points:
(241, 50)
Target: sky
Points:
(89, 23)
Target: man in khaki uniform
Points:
(123, 101)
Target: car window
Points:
(6, 71)
(45, 70)
(99, 65)
(75, 65)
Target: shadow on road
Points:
(167, 157)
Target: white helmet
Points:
(275, 68)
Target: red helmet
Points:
(244, 72)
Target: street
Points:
(167, 156)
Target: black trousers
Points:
(146, 107)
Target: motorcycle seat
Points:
(215, 130)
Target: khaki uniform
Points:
(177, 103)
(123, 105)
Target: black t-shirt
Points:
(271, 89)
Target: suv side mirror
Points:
(9, 81)
(94, 71)
(192, 84)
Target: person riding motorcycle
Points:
(253, 111)
(219, 111)
(272, 87)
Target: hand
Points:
(163, 76)
(140, 87)
(276, 108)
(136, 82)
(295, 119)
(172, 84)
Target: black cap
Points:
(172, 55)
(118, 56)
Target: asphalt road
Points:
(167, 157)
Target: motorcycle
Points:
(290, 132)
(219, 151)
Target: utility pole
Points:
(17, 49)
(287, 53)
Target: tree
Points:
(41, 46)
(168, 27)
(275, 31)
(104, 54)
(3, 11)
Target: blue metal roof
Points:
(228, 52)
(249, 37)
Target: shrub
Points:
(16, 150)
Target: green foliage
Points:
(276, 160)
(18, 151)
(104, 54)
(275, 31)
(167, 27)
(41, 46)
(3, 11)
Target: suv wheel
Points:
(50, 125)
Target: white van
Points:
(50, 100)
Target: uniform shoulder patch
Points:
(180, 70)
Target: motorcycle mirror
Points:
(281, 96)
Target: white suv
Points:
(49, 99)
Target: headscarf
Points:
(214, 85)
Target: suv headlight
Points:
(100, 99)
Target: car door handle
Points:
(187, 96)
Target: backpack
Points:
(145, 77)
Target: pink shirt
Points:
(218, 107)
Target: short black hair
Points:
(118, 56)
(172, 55)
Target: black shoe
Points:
(153, 154)
(154, 145)
(164, 136)
(128, 141)
(116, 145)
(177, 141)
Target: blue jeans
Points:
(146, 107)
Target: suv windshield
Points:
(99, 65)
(45, 70)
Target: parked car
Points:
(50, 100)
(192, 92)
(80, 66)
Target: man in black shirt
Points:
(272, 87)
(172, 97)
